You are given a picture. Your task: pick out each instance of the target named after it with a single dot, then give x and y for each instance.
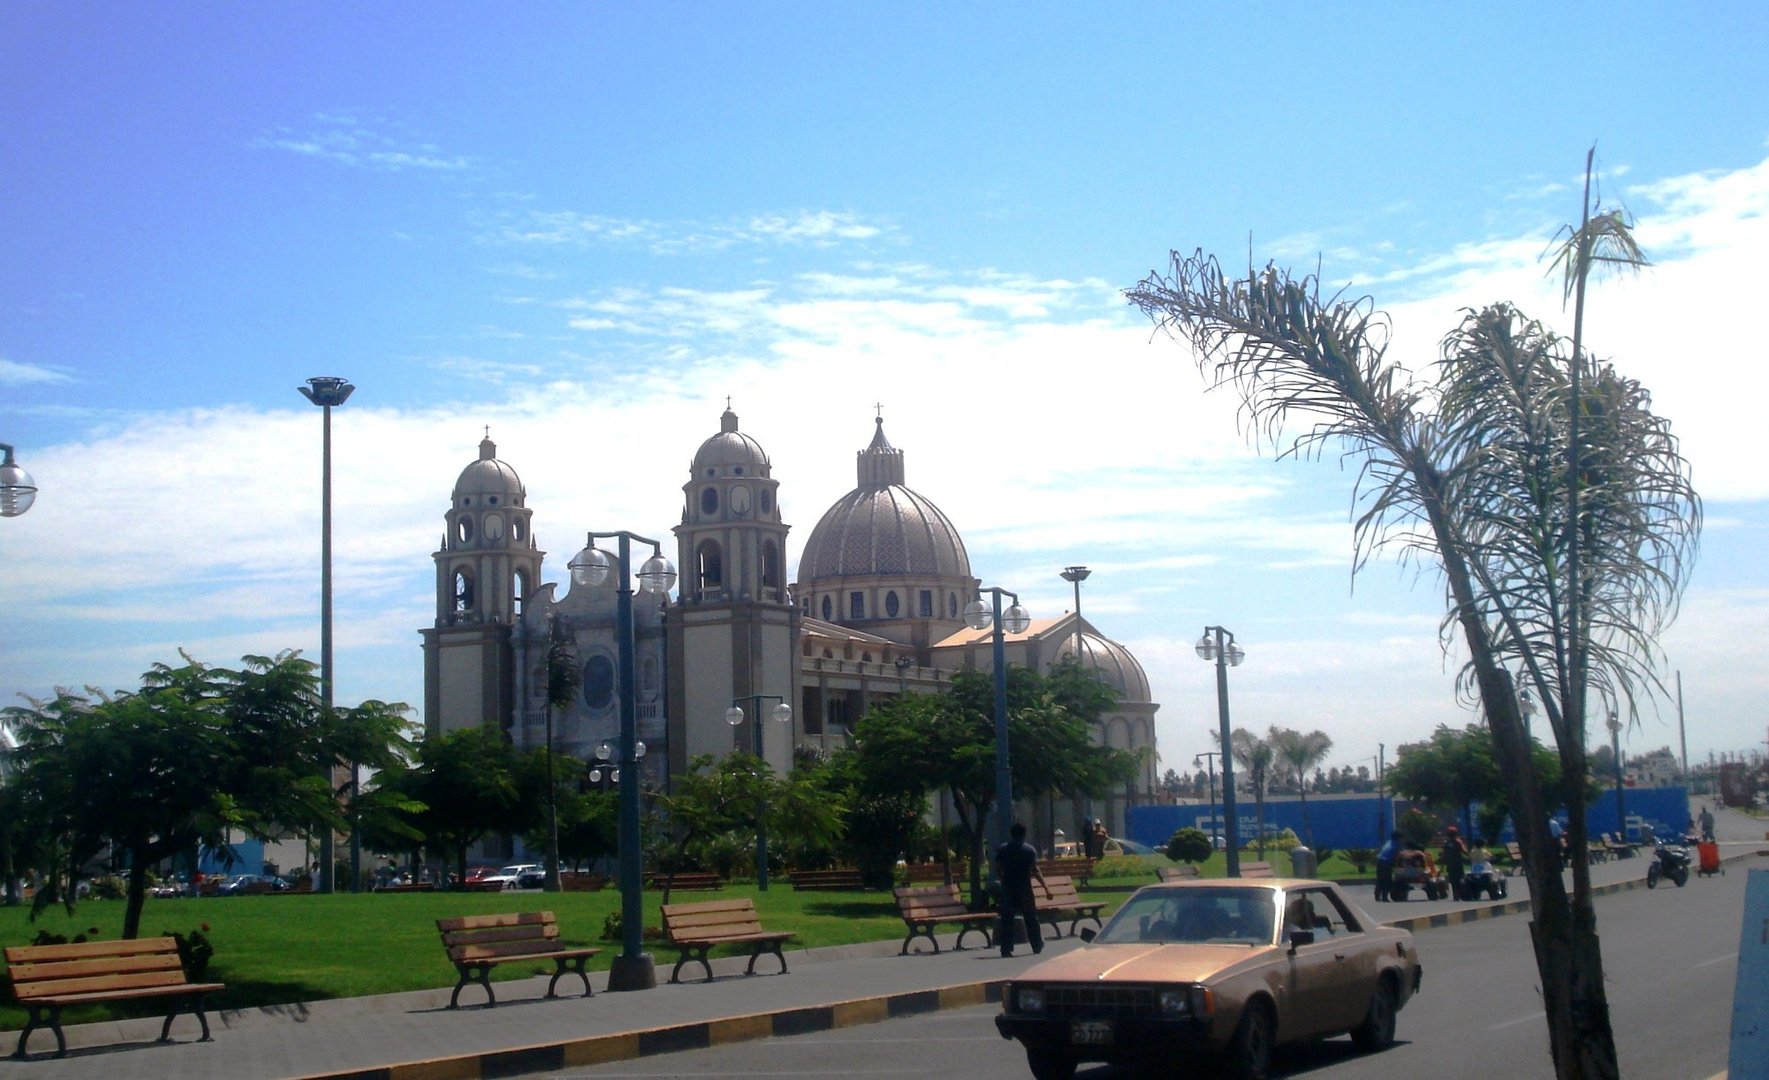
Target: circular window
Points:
(709, 501)
(890, 605)
(598, 682)
(493, 500)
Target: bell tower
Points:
(486, 569)
(734, 617)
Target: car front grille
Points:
(1103, 1002)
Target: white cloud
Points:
(13, 373)
(344, 140)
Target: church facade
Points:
(875, 611)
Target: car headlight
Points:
(1175, 1002)
(1029, 999)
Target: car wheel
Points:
(1377, 1030)
(1049, 1064)
(1652, 873)
(1398, 892)
(1249, 1052)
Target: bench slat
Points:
(97, 984)
(480, 922)
(20, 954)
(24, 973)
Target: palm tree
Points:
(1298, 755)
(1470, 474)
(1254, 755)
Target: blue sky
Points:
(586, 225)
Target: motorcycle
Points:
(1668, 861)
(1483, 879)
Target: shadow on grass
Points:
(851, 909)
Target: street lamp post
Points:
(782, 713)
(1615, 738)
(633, 969)
(17, 490)
(327, 391)
(1219, 645)
(1075, 575)
(1209, 757)
(979, 616)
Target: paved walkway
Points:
(415, 1037)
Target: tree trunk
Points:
(137, 898)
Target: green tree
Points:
(197, 753)
(1188, 845)
(722, 799)
(1295, 753)
(467, 784)
(1556, 506)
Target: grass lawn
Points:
(281, 949)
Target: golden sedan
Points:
(1226, 968)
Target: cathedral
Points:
(875, 611)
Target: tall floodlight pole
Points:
(17, 490)
(978, 616)
(782, 713)
(327, 391)
(1209, 757)
(1075, 575)
(633, 969)
(1615, 739)
(1218, 645)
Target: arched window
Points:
(598, 680)
(519, 589)
(770, 565)
(464, 529)
(518, 528)
(709, 500)
(709, 568)
(463, 590)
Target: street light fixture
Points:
(1218, 645)
(327, 391)
(633, 969)
(980, 616)
(17, 490)
(782, 713)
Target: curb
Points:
(698, 1035)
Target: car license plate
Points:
(1090, 1032)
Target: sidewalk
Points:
(415, 1037)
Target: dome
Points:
(886, 530)
(488, 481)
(1112, 660)
(882, 527)
(730, 452)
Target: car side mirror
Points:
(1299, 938)
(1088, 933)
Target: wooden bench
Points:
(686, 881)
(572, 881)
(1079, 867)
(924, 907)
(479, 886)
(48, 978)
(1059, 900)
(696, 928)
(934, 873)
(478, 943)
(1619, 848)
(407, 886)
(1514, 852)
(1257, 870)
(847, 880)
(1176, 873)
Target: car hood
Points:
(1142, 962)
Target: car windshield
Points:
(1223, 915)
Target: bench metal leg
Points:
(576, 968)
(925, 930)
(699, 954)
(756, 954)
(483, 978)
(35, 1021)
(194, 1003)
(965, 928)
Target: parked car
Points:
(1210, 968)
(507, 875)
(251, 884)
(535, 877)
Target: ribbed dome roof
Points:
(885, 531)
(1114, 663)
(882, 527)
(730, 451)
(489, 477)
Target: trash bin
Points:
(1301, 861)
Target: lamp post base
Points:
(632, 973)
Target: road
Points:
(1669, 955)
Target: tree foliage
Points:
(720, 799)
(194, 755)
(1296, 754)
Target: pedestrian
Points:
(1707, 823)
(1099, 838)
(1016, 864)
(1559, 837)
(1385, 866)
(1455, 860)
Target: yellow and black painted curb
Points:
(696, 1035)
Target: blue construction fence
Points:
(1342, 821)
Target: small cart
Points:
(1708, 854)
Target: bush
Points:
(1120, 866)
(1360, 857)
(1188, 845)
(1281, 841)
(611, 929)
(194, 952)
(1416, 828)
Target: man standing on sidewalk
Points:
(1016, 864)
